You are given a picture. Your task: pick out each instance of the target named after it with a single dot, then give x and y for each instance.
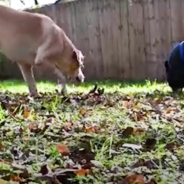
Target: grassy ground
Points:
(132, 133)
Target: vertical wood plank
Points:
(152, 66)
(113, 11)
(165, 36)
(140, 42)
(103, 36)
(124, 55)
(82, 37)
(123, 39)
(131, 15)
(176, 20)
(136, 39)
(156, 44)
(107, 38)
(95, 54)
(146, 36)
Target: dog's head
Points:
(71, 64)
(175, 74)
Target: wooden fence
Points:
(121, 39)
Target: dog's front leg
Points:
(62, 87)
(61, 81)
(58, 73)
(27, 73)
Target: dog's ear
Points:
(166, 65)
(75, 56)
(78, 57)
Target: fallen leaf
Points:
(33, 126)
(94, 89)
(3, 181)
(63, 149)
(172, 146)
(85, 112)
(97, 163)
(127, 104)
(15, 178)
(49, 121)
(44, 170)
(133, 146)
(1, 146)
(26, 112)
(138, 131)
(133, 179)
(68, 126)
(128, 131)
(82, 172)
(150, 143)
(91, 129)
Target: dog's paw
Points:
(34, 95)
(64, 91)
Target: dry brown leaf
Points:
(15, 178)
(68, 126)
(26, 112)
(150, 143)
(63, 149)
(128, 131)
(82, 172)
(3, 181)
(85, 112)
(1, 146)
(33, 126)
(135, 179)
(91, 129)
(138, 130)
(127, 104)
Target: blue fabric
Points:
(173, 47)
(181, 50)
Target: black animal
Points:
(174, 66)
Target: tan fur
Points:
(34, 39)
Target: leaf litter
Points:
(93, 137)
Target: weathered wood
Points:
(146, 36)
(121, 39)
(124, 52)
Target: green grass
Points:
(111, 86)
(133, 128)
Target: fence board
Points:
(140, 42)
(164, 36)
(121, 39)
(95, 54)
(146, 36)
(103, 37)
(124, 53)
(136, 39)
(176, 20)
(152, 65)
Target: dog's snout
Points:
(78, 79)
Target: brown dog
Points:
(34, 39)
